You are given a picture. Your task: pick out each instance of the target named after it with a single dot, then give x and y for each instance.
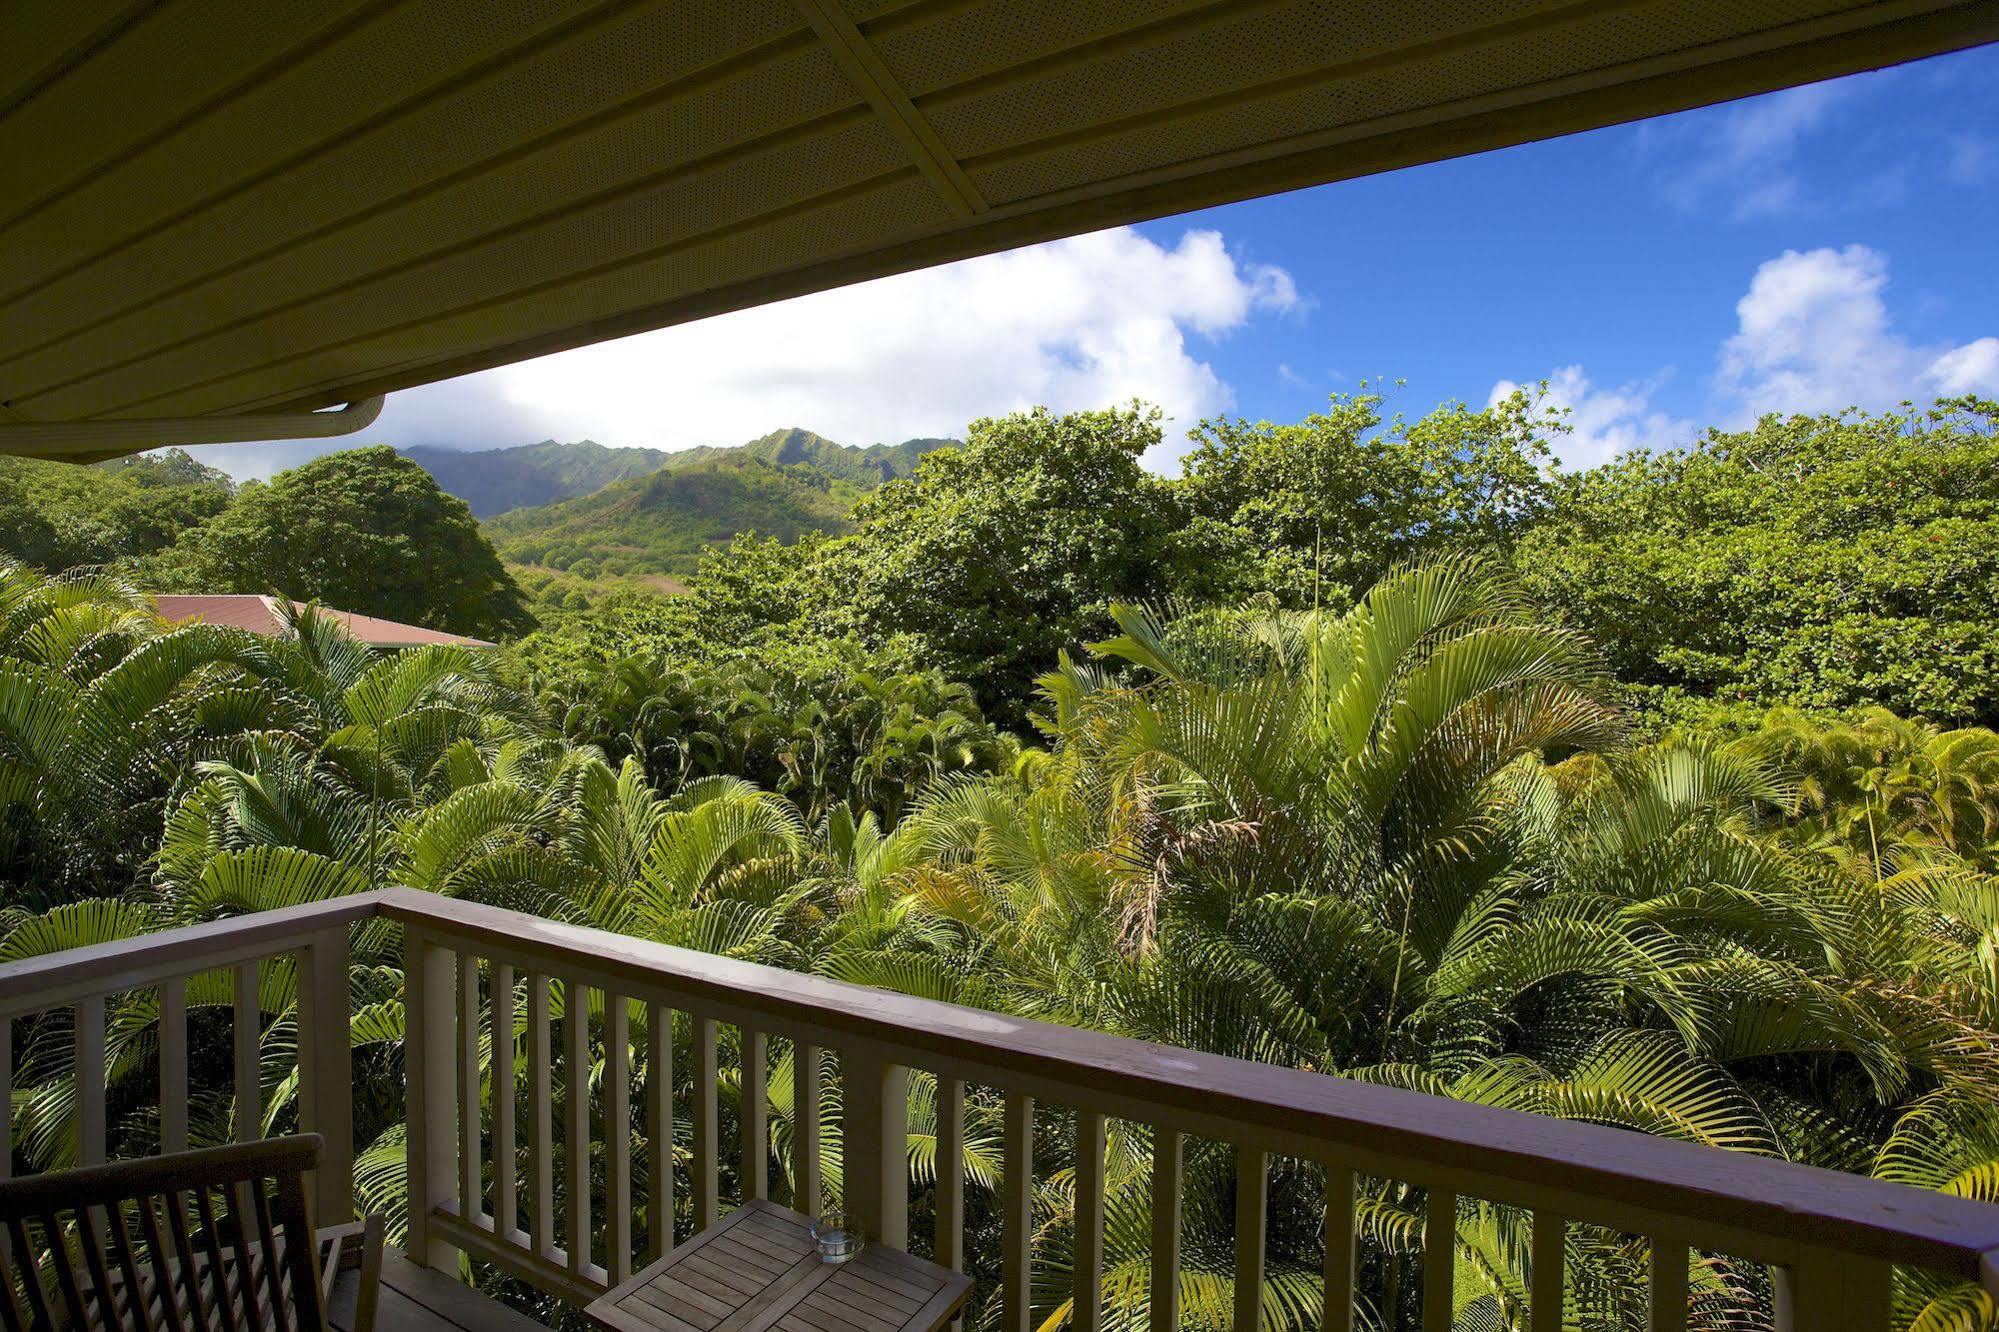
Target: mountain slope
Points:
(782, 485)
(863, 467)
(495, 480)
(657, 524)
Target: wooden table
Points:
(759, 1268)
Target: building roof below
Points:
(260, 615)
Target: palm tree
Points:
(1338, 843)
(1405, 844)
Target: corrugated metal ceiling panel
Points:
(226, 206)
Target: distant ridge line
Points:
(496, 481)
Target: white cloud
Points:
(1602, 422)
(1815, 336)
(1083, 322)
(1972, 368)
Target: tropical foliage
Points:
(656, 520)
(1823, 563)
(58, 516)
(1406, 841)
(367, 531)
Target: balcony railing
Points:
(1832, 1239)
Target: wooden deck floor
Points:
(417, 1300)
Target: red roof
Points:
(260, 616)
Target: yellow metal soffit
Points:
(234, 207)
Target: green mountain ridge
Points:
(790, 447)
(784, 485)
(493, 481)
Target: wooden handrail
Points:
(53, 980)
(1815, 1222)
(1764, 1209)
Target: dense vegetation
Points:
(58, 516)
(1828, 563)
(1823, 563)
(366, 531)
(661, 522)
(863, 467)
(1348, 749)
(363, 530)
(782, 485)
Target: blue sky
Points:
(1626, 250)
(1827, 246)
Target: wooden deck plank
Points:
(415, 1299)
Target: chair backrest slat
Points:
(11, 1312)
(90, 1234)
(246, 1262)
(162, 1265)
(273, 1266)
(190, 1275)
(217, 1265)
(138, 1300)
(240, 1237)
(28, 1275)
(65, 1268)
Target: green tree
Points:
(364, 530)
(59, 516)
(996, 557)
(1823, 562)
(1317, 511)
(1329, 840)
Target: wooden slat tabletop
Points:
(759, 1269)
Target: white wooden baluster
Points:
(173, 1065)
(1440, 1249)
(617, 1136)
(471, 1194)
(576, 1104)
(754, 1117)
(875, 1143)
(326, 1069)
(90, 1128)
(1544, 1303)
(1252, 1220)
(1831, 1291)
(659, 1130)
(806, 1090)
(707, 1191)
(248, 1032)
(1167, 1149)
(1087, 1291)
(429, 1051)
(1667, 1297)
(1867, 1288)
(950, 1237)
(541, 1109)
(1783, 1300)
(1017, 1218)
(1338, 1277)
(505, 1002)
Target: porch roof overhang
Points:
(238, 208)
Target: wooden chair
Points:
(204, 1241)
